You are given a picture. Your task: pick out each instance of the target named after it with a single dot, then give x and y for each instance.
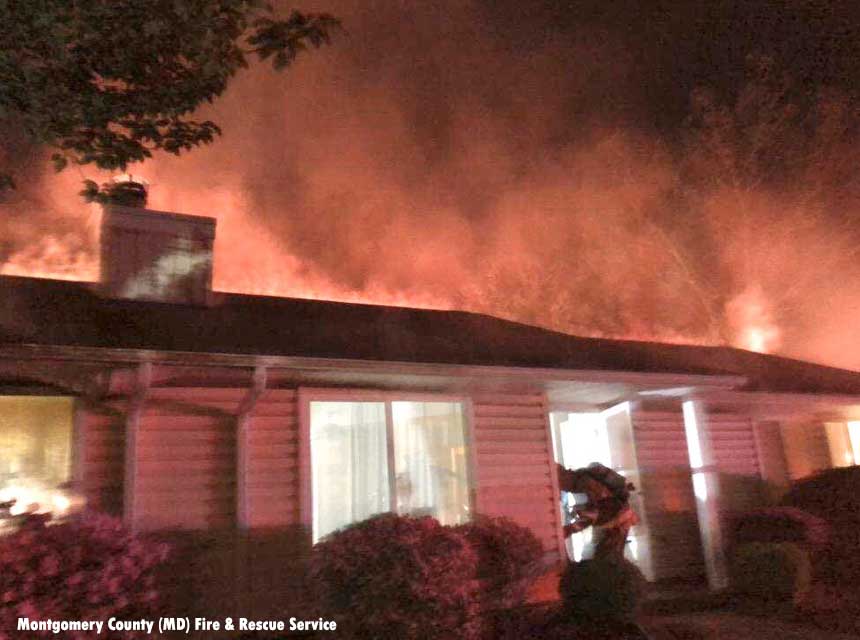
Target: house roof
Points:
(70, 314)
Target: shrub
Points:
(541, 623)
(601, 589)
(396, 577)
(86, 568)
(780, 524)
(509, 559)
(834, 495)
(771, 571)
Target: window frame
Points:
(306, 395)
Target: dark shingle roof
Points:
(60, 313)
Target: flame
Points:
(56, 237)
(482, 194)
(52, 257)
(249, 258)
(752, 320)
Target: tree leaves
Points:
(60, 161)
(7, 182)
(110, 82)
(90, 192)
(283, 40)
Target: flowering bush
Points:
(86, 568)
(396, 577)
(509, 559)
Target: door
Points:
(605, 437)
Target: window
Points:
(372, 457)
(35, 451)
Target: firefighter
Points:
(607, 510)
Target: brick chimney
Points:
(156, 255)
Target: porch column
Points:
(706, 488)
(667, 496)
(243, 425)
(771, 457)
(137, 401)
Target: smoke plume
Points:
(446, 157)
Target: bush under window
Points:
(397, 577)
(509, 559)
(86, 568)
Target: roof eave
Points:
(646, 380)
(775, 403)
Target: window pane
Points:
(349, 460)
(431, 471)
(35, 450)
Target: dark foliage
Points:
(88, 567)
(834, 496)
(780, 524)
(396, 577)
(509, 559)
(107, 82)
(131, 194)
(601, 590)
(771, 571)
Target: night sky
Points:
(673, 47)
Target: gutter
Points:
(322, 365)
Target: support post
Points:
(707, 492)
(243, 427)
(137, 401)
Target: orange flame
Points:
(751, 319)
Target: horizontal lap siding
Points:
(187, 466)
(186, 459)
(733, 445)
(735, 457)
(272, 443)
(667, 494)
(102, 456)
(513, 461)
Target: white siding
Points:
(513, 458)
(185, 476)
(733, 445)
(272, 482)
(737, 462)
(102, 445)
(667, 494)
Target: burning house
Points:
(258, 424)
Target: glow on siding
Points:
(618, 408)
(854, 438)
(694, 449)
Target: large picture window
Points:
(372, 457)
